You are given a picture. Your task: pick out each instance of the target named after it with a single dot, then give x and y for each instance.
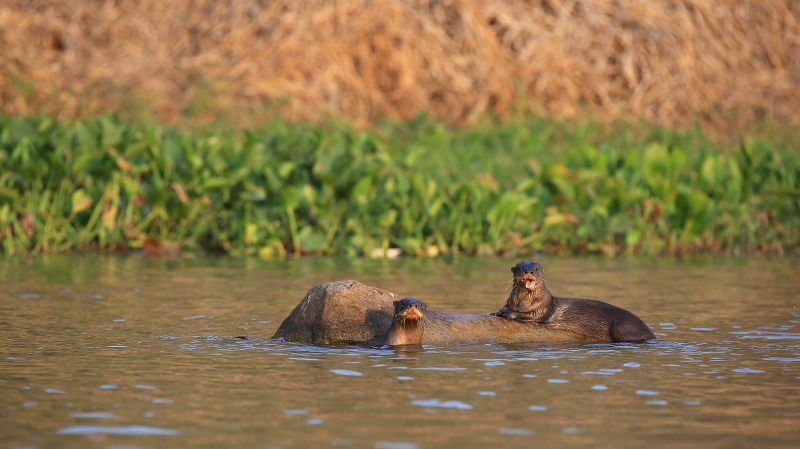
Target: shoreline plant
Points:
(529, 185)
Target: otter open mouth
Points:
(527, 283)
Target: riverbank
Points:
(532, 185)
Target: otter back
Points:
(597, 319)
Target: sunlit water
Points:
(135, 353)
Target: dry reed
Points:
(664, 61)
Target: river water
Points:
(130, 352)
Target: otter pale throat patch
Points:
(412, 314)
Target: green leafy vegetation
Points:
(284, 189)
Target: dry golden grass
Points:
(664, 61)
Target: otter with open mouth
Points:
(531, 301)
(407, 325)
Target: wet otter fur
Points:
(531, 301)
(407, 325)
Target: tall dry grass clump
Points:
(664, 61)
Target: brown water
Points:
(107, 352)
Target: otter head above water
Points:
(409, 309)
(527, 274)
(407, 324)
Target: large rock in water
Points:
(349, 311)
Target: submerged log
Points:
(349, 311)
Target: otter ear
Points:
(395, 303)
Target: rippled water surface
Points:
(107, 352)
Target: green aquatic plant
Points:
(300, 189)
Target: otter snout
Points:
(528, 282)
(410, 308)
(412, 314)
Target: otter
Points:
(531, 301)
(407, 326)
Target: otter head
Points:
(527, 274)
(409, 309)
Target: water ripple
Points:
(747, 371)
(119, 430)
(515, 432)
(439, 368)
(458, 405)
(647, 392)
(395, 445)
(346, 372)
(93, 415)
